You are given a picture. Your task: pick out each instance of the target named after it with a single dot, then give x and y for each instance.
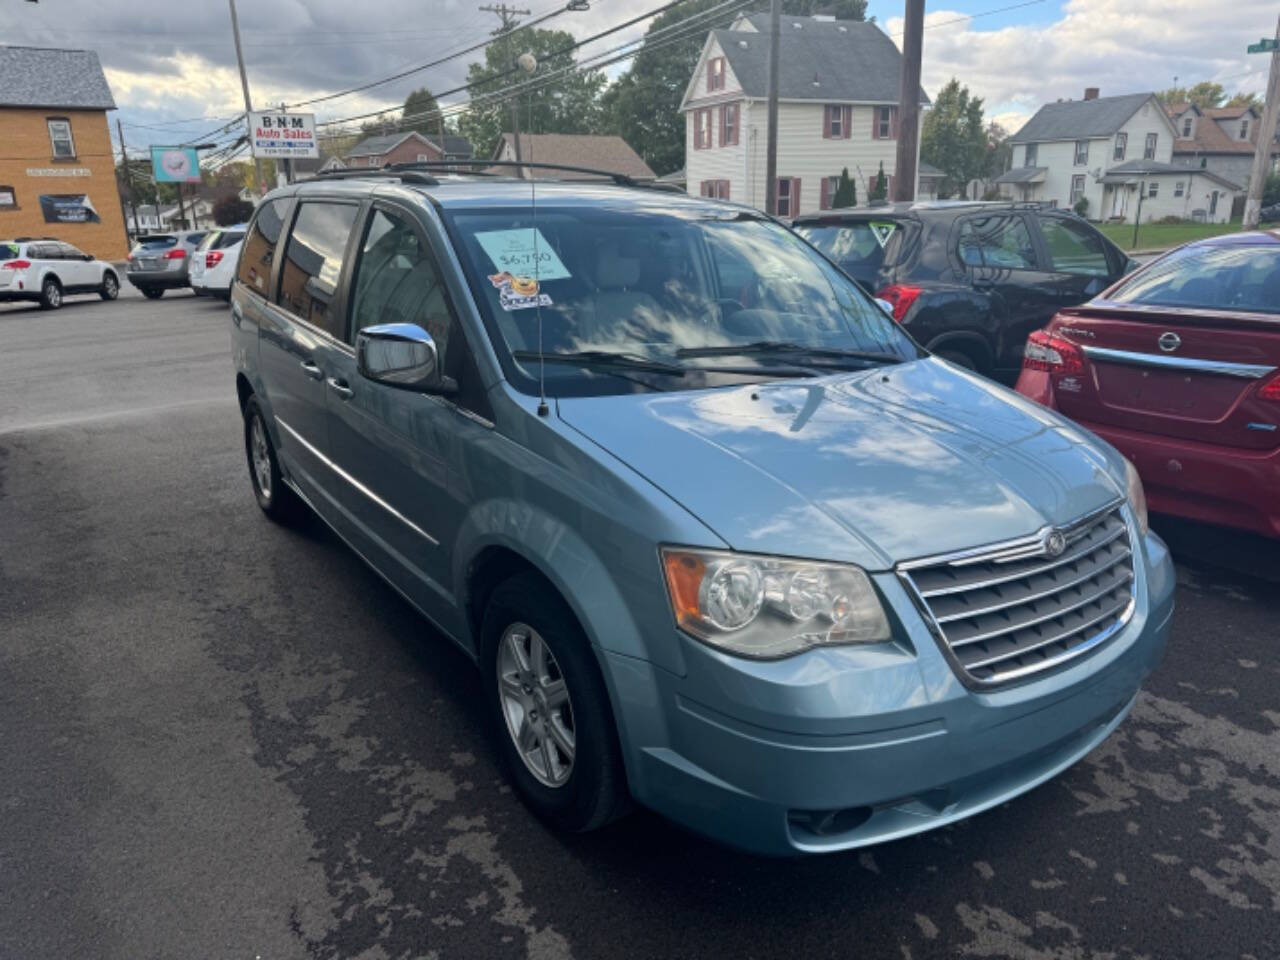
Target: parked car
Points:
(720, 536)
(214, 263)
(162, 261)
(45, 270)
(969, 280)
(1269, 213)
(1177, 366)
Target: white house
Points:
(837, 108)
(1221, 140)
(1111, 151)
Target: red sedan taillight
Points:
(1271, 389)
(212, 258)
(1052, 354)
(15, 265)
(901, 296)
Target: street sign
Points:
(283, 134)
(1265, 45)
(175, 164)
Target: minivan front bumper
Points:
(842, 748)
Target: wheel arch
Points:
(973, 344)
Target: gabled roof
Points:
(383, 144)
(1212, 139)
(929, 170)
(1147, 168)
(1082, 119)
(46, 77)
(851, 61)
(609, 153)
(1023, 175)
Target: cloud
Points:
(1125, 47)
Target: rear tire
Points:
(110, 287)
(274, 496)
(568, 690)
(50, 294)
(152, 293)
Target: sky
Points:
(175, 79)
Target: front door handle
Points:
(340, 388)
(311, 370)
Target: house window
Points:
(1082, 152)
(1153, 188)
(1244, 129)
(422, 158)
(715, 189)
(1178, 188)
(828, 195)
(1186, 127)
(886, 118)
(1077, 188)
(8, 199)
(834, 127)
(729, 125)
(788, 196)
(1150, 152)
(702, 129)
(1122, 144)
(715, 73)
(1204, 162)
(1032, 153)
(64, 148)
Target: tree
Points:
(643, 105)
(954, 138)
(846, 192)
(1246, 100)
(421, 113)
(569, 104)
(230, 210)
(1205, 95)
(879, 185)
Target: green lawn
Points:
(1160, 236)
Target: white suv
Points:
(46, 270)
(213, 265)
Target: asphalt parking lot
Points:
(221, 738)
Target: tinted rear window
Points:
(862, 243)
(226, 238)
(1232, 277)
(8, 251)
(209, 242)
(156, 242)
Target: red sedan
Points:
(1177, 366)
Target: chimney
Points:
(1091, 93)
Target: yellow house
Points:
(57, 169)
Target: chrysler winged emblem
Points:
(1054, 543)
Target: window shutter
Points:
(710, 74)
(826, 123)
(795, 197)
(875, 123)
(725, 186)
(889, 187)
(824, 194)
(846, 121)
(893, 123)
(722, 140)
(736, 124)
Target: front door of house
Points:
(1213, 203)
(1119, 200)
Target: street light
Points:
(527, 63)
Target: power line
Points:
(975, 16)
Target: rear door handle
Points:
(311, 370)
(340, 388)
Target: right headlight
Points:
(770, 607)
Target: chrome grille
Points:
(1009, 611)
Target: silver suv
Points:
(162, 261)
(45, 270)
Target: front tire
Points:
(152, 293)
(50, 294)
(550, 711)
(960, 358)
(110, 287)
(277, 500)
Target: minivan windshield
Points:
(1242, 277)
(652, 296)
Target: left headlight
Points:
(1136, 495)
(770, 607)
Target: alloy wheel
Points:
(53, 294)
(111, 287)
(261, 456)
(535, 704)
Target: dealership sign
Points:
(175, 164)
(284, 135)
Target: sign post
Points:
(1266, 135)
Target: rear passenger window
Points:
(313, 263)
(397, 281)
(1074, 248)
(260, 246)
(997, 241)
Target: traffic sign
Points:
(1265, 45)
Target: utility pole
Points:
(288, 161)
(771, 133)
(904, 181)
(1266, 135)
(248, 104)
(508, 17)
(128, 179)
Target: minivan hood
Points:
(872, 467)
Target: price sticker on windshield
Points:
(523, 253)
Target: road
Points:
(223, 739)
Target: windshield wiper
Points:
(589, 358)
(758, 347)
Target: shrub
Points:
(1082, 206)
(231, 210)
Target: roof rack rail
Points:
(404, 176)
(621, 179)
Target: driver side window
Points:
(997, 241)
(397, 281)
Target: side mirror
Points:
(401, 355)
(886, 306)
(86, 257)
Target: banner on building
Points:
(68, 208)
(288, 135)
(175, 165)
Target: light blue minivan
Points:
(721, 538)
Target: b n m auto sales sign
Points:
(283, 134)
